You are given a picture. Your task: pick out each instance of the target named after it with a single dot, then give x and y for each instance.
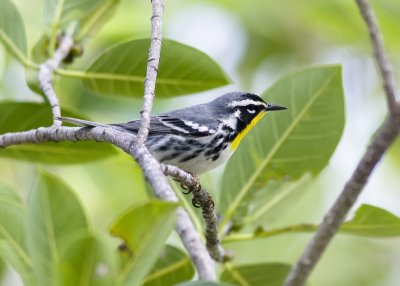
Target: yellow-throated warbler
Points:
(200, 137)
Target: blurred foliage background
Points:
(256, 42)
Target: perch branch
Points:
(384, 137)
(46, 72)
(151, 167)
(124, 140)
(202, 199)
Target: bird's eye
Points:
(251, 110)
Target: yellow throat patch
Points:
(235, 143)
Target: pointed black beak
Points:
(274, 107)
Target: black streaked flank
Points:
(215, 157)
(187, 158)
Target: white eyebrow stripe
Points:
(246, 102)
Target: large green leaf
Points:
(87, 261)
(12, 31)
(173, 266)
(144, 229)
(372, 221)
(287, 144)
(264, 274)
(54, 216)
(21, 116)
(182, 70)
(12, 232)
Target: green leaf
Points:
(182, 70)
(92, 23)
(278, 197)
(54, 216)
(40, 54)
(61, 11)
(12, 31)
(21, 116)
(12, 233)
(372, 221)
(144, 229)
(264, 274)
(88, 260)
(369, 221)
(173, 266)
(288, 144)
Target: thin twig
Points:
(152, 69)
(202, 199)
(126, 141)
(384, 137)
(385, 67)
(46, 73)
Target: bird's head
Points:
(241, 111)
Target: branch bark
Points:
(384, 65)
(384, 137)
(46, 72)
(152, 69)
(202, 199)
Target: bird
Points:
(201, 137)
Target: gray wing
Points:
(185, 121)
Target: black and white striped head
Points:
(242, 108)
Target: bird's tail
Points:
(81, 122)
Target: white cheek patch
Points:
(237, 113)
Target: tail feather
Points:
(82, 122)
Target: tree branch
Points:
(202, 199)
(384, 137)
(151, 167)
(152, 70)
(384, 65)
(126, 141)
(45, 75)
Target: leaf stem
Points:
(269, 233)
(54, 27)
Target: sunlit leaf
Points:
(54, 216)
(263, 274)
(12, 31)
(182, 70)
(21, 116)
(88, 260)
(173, 266)
(144, 229)
(287, 144)
(372, 221)
(12, 232)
